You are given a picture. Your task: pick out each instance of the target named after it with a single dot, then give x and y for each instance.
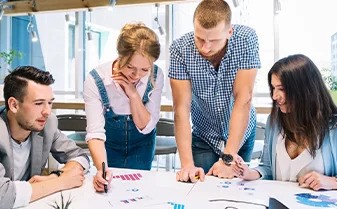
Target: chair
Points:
(71, 123)
(75, 123)
(259, 140)
(165, 141)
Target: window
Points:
(300, 26)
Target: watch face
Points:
(227, 158)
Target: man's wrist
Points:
(226, 158)
(56, 172)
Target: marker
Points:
(196, 178)
(104, 177)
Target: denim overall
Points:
(125, 146)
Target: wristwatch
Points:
(57, 172)
(226, 158)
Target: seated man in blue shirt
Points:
(212, 72)
(28, 133)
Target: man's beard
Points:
(218, 55)
(28, 127)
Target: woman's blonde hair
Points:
(136, 37)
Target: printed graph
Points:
(322, 201)
(129, 177)
(176, 205)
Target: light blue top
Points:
(212, 90)
(268, 160)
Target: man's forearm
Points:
(184, 140)
(45, 188)
(237, 127)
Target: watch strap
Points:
(57, 172)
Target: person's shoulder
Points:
(3, 125)
(185, 41)
(243, 30)
(159, 70)
(103, 69)
(104, 65)
(51, 124)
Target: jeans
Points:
(125, 146)
(204, 156)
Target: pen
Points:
(104, 177)
(196, 178)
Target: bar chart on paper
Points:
(129, 177)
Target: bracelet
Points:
(57, 172)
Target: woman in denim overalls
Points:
(122, 104)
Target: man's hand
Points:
(71, 178)
(221, 170)
(38, 178)
(187, 174)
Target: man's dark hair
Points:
(16, 82)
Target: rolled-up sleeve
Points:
(84, 163)
(93, 110)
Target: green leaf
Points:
(64, 205)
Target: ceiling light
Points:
(236, 3)
(34, 36)
(112, 4)
(30, 29)
(161, 30)
(277, 6)
(67, 17)
(89, 34)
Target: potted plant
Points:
(63, 205)
(6, 59)
(331, 82)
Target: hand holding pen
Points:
(102, 179)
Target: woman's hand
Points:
(241, 170)
(317, 181)
(99, 181)
(128, 87)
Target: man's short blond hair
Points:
(209, 13)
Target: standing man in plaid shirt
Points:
(212, 73)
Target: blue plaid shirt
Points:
(212, 91)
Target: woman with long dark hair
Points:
(301, 134)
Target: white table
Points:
(151, 189)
